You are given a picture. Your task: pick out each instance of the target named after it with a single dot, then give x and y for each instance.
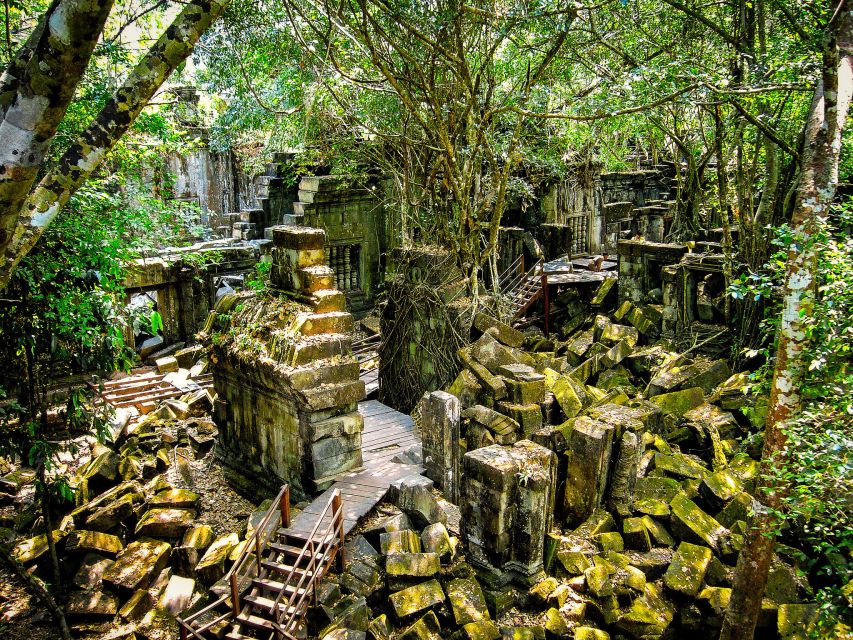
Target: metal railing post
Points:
(545, 301)
(258, 552)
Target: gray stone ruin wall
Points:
(184, 290)
(641, 269)
(507, 507)
(618, 205)
(287, 407)
(353, 219)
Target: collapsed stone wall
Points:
(288, 386)
(651, 481)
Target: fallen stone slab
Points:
(426, 628)
(137, 565)
(211, 567)
(412, 565)
(29, 550)
(88, 576)
(408, 602)
(467, 601)
(413, 494)
(137, 606)
(174, 499)
(687, 571)
(677, 403)
(482, 630)
(588, 449)
(165, 523)
(178, 595)
(109, 516)
(691, 523)
(157, 624)
(403, 541)
(91, 604)
(436, 539)
(502, 332)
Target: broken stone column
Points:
(287, 381)
(440, 417)
(621, 493)
(507, 509)
(589, 445)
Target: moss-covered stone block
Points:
(137, 565)
(412, 565)
(467, 601)
(679, 465)
(677, 403)
(211, 567)
(691, 523)
(687, 571)
(408, 602)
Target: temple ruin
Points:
(558, 460)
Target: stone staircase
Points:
(272, 585)
(253, 223)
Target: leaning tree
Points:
(35, 91)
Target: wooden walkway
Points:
(387, 433)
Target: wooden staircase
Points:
(273, 583)
(522, 288)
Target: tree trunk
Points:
(816, 189)
(35, 92)
(76, 165)
(36, 586)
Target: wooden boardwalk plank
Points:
(386, 433)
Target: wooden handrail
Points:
(279, 511)
(327, 546)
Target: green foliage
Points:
(260, 280)
(817, 467)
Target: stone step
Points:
(322, 347)
(316, 278)
(300, 207)
(331, 322)
(326, 300)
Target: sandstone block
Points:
(165, 523)
(408, 602)
(137, 565)
(91, 604)
(688, 568)
(211, 567)
(467, 601)
(589, 446)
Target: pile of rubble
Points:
(136, 549)
(405, 582)
(653, 482)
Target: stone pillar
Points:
(621, 497)
(671, 300)
(589, 446)
(292, 392)
(507, 509)
(440, 417)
